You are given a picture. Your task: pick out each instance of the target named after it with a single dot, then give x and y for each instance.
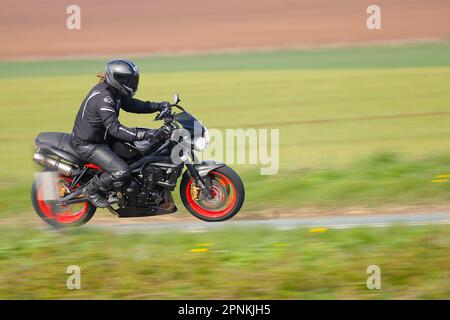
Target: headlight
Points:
(200, 143)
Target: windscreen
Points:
(191, 124)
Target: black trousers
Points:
(115, 168)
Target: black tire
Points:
(86, 216)
(238, 189)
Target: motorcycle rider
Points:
(97, 119)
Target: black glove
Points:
(162, 133)
(163, 105)
(153, 134)
(145, 134)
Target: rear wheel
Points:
(45, 206)
(228, 195)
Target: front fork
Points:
(199, 172)
(203, 182)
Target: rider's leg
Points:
(95, 191)
(115, 171)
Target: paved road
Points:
(379, 220)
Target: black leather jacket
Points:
(99, 112)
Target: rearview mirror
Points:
(176, 98)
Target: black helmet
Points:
(122, 75)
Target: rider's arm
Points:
(139, 106)
(111, 122)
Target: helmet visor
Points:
(130, 81)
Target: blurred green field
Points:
(338, 110)
(231, 264)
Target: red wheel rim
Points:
(63, 215)
(229, 198)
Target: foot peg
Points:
(112, 199)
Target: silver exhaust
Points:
(53, 164)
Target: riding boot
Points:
(94, 192)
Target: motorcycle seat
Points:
(60, 144)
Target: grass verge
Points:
(232, 264)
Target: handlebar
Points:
(167, 111)
(163, 113)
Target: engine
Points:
(148, 188)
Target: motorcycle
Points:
(210, 190)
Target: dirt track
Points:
(31, 28)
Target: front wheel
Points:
(227, 190)
(45, 206)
